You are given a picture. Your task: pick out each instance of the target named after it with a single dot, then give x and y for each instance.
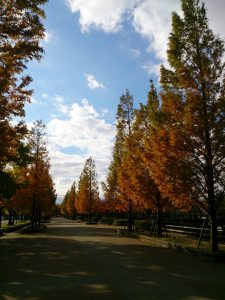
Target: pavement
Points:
(78, 261)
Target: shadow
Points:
(101, 265)
(72, 229)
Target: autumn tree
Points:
(71, 201)
(189, 142)
(136, 173)
(63, 205)
(41, 184)
(20, 32)
(21, 29)
(21, 201)
(88, 195)
(112, 192)
(37, 187)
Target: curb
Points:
(13, 229)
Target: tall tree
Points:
(125, 115)
(39, 168)
(190, 141)
(136, 173)
(20, 32)
(88, 195)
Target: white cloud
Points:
(104, 111)
(134, 53)
(93, 83)
(59, 99)
(33, 100)
(65, 168)
(151, 68)
(59, 103)
(44, 96)
(150, 18)
(48, 37)
(106, 15)
(83, 132)
(215, 12)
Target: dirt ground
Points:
(78, 261)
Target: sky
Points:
(94, 51)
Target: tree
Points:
(20, 32)
(40, 179)
(71, 201)
(189, 143)
(113, 195)
(88, 195)
(136, 174)
(36, 195)
(63, 206)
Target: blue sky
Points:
(94, 50)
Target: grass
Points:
(9, 228)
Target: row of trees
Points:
(25, 182)
(28, 189)
(171, 151)
(83, 199)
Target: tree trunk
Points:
(213, 230)
(210, 174)
(0, 217)
(129, 219)
(39, 217)
(10, 217)
(33, 214)
(13, 217)
(212, 204)
(158, 215)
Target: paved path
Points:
(77, 261)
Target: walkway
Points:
(77, 261)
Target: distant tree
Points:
(63, 205)
(88, 195)
(189, 142)
(71, 201)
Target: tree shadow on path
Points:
(104, 266)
